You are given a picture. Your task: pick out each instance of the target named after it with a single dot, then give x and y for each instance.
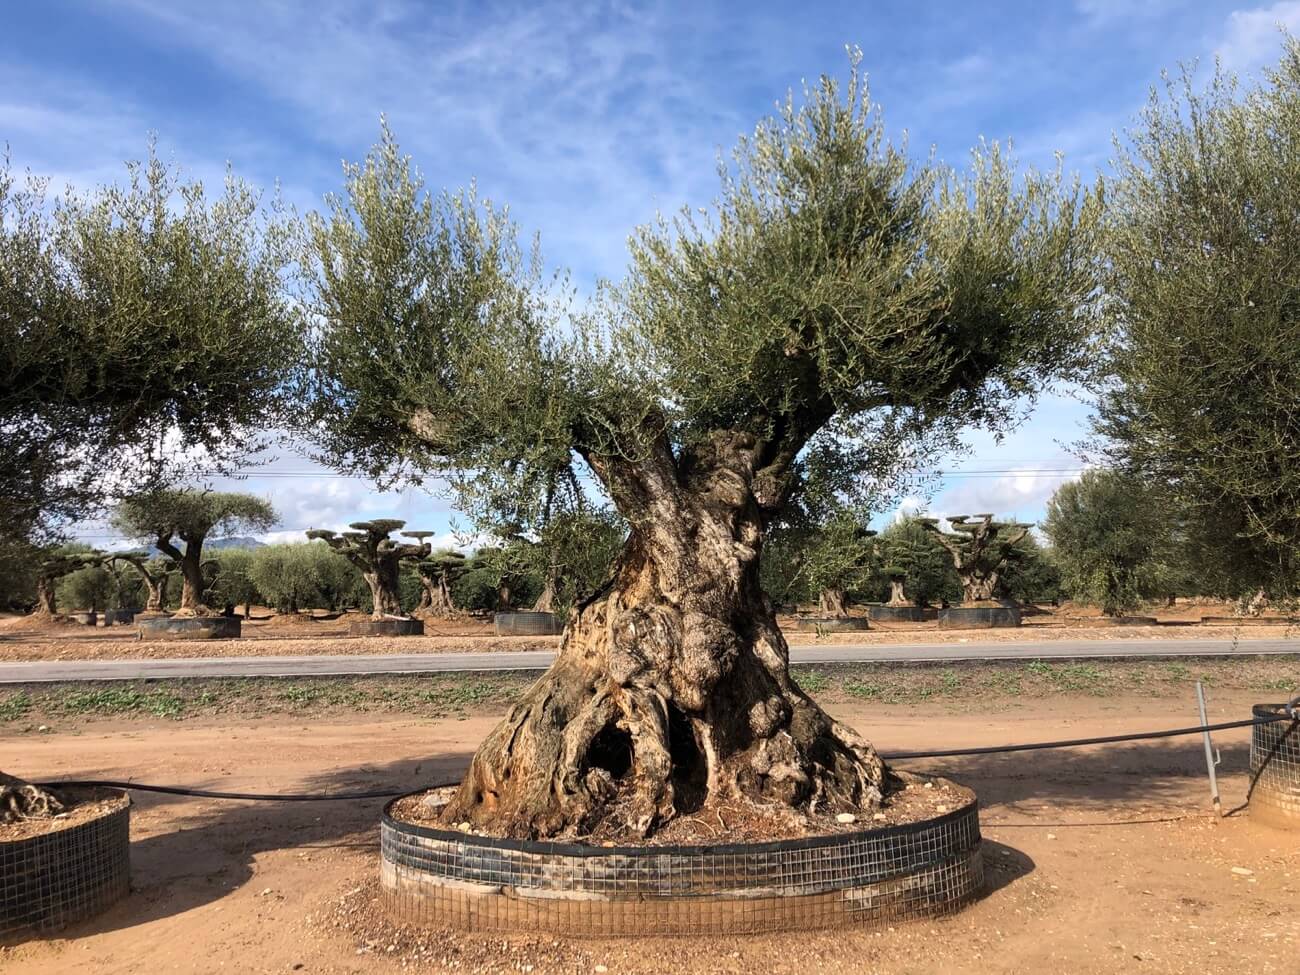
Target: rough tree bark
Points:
(672, 683)
(832, 602)
(22, 800)
(435, 600)
(190, 563)
(45, 599)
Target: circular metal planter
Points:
(85, 619)
(118, 616)
(978, 617)
(832, 624)
(190, 627)
(1275, 769)
(67, 875)
(902, 614)
(1103, 621)
(394, 626)
(526, 624)
(868, 878)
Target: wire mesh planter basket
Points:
(68, 874)
(866, 878)
(1275, 768)
(526, 624)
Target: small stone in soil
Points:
(846, 818)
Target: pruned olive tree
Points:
(979, 547)
(378, 557)
(437, 573)
(154, 572)
(1201, 369)
(837, 288)
(178, 521)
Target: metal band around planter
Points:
(526, 624)
(68, 875)
(1275, 769)
(902, 614)
(392, 626)
(873, 877)
(832, 624)
(190, 627)
(978, 617)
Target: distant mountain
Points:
(244, 542)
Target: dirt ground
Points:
(24, 639)
(1100, 859)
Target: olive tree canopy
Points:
(139, 324)
(1202, 365)
(838, 291)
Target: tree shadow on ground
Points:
(1098, 779)
(1003, 866)
(206, 847)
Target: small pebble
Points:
(846, 818)
(1242, 871)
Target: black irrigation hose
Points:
(173, 790)
(1075, 742)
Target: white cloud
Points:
(1251, 37)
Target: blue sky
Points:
(587, 119)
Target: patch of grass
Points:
(15, 706)
(866, 690)
(812, 681)
(300, 697)
(122, 700)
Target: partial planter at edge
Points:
(1275, 769)
(66, 875)
(868, 878)
(190, 627)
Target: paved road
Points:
(427, 663)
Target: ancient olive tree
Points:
(837, 288)
(177, 521)
(980, 548)
(918, 568)
(437, 574)
(825, 560)
(1110, 538)
(56, 565)
(1202, 365)
(378, 557)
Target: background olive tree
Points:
(838, 290)
(1202, 363)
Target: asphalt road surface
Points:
(334, 665)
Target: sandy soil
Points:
(1100, 860)
(23, 639)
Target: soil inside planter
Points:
(81, 806)
(731, 819)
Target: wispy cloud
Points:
(1252, 37)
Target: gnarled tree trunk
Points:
(385, 595)
(22, 800)
(435, 600)
(671, 685)
(831, 602)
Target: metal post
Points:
(1211, 758)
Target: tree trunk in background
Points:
(45, 601)
(385, 594)
(672, 684)
(546, 601)
(503, 598)
(831, 602)
(897, 597)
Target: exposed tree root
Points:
(21, 800)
